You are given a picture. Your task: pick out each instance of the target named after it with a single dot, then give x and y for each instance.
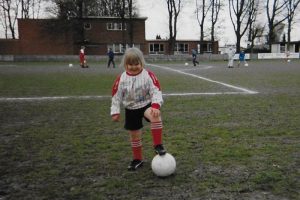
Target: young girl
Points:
(139, 91)
(82, 59)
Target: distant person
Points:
(242, 59)
(194, 55)
(230, 53)
(111, 57)
(138, 90)
(83, 63)
(287, 56)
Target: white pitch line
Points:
(50, 98)
(206, 79)
(244, 91)
(203, 93)
(198, 68)
(10, 99)
(106, 97)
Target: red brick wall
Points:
(9, 47)
(99, 37)
(36, 39)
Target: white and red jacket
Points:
(81, 55)
(136, 91)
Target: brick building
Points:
(57, 37)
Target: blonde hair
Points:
(133, 56)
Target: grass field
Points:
(235, 133)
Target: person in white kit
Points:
(231, 53)
(138, 90)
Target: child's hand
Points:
(155, 112)
(116, 117)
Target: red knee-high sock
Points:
(136, 146)
(156, 130)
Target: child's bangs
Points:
(132, 59)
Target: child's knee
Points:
(135, 134)
(155, 119)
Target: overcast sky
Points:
(188, 27)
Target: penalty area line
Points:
(206, 79)
(204, 93)
(51, 98)
(55, 98)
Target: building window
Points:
(206, 48)
(118, 48)
(282, 48)
(156, 48)
(115, 26)
(133, 45)
(181, 47)
(87, 26)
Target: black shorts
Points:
(134, 118)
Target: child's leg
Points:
(81, 62)
(136, 144)
(156, 127)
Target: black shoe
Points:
(159, 149)
(135, 164)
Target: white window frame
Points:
(115, 26)
(118, 48)
(206, 47)
(282, 48)
(154, 47)
(87, 26)
(185, 47)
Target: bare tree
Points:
(240, 14)
(25, 5)
(291, 7)
(130, 25)
(9, 11)
(78, 9)
(216, 6)
(255, 29)
(275, 15)
(202, 9)
(3, 21)
(104, 8)
(126, 11)
(174, 8)
(30, 8)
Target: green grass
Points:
(226, 146)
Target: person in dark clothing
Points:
(194, 55)
(111, 57)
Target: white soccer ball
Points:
(289, 60)
(70, 65)
(246, 64)
(186, 64)
(164, 165)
